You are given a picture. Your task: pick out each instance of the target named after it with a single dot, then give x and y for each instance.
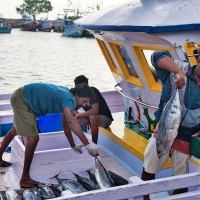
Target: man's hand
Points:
(196, 134)
(92, 149)
(78, 117)
(78, 147)
(180, 81)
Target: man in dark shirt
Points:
(97, 114)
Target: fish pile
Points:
(101, 178)
(168, 125)
(42, 192)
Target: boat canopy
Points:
(150, 16)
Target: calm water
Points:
(27, 57)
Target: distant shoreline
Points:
(15, 23)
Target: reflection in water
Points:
(27, 57)
(127, 60)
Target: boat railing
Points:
(139, 102)
(5, 102)
(138, 188)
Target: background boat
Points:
(3, 28)
(44, 25)
(70, 30)
(28, 24)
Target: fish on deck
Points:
(102, 176)
(118, 180)
(87, 183)
(168, 125)
(69, 184)
(31, 194)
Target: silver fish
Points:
(58, 190)
(118, 180)
(2, 196)
(31, 194)
(69, 184)
(45, 191)
(87, 183)
(11, 194)
(92, 176)
(168, 125)
(103, 178)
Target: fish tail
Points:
(56, 176)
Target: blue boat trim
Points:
(146, 29)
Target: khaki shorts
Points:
(153, 165)
(24, 119)
(105, 122)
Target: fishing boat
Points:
(127, 34)
(58, 24)
(70, 30)
(45, 25)
(3, 27)
(28, 24)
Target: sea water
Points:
(28, 57)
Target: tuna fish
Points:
(11, 194)
(69, 184)
(45, 191)
(92, 176)
(118, 180)
(87, 183)
(103, 178)
(168, 125)
(2, 196)
(58, 190)
(31, 194)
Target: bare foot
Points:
(4, 163)
(28, 182)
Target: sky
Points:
(7, 7)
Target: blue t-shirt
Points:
(44, 98)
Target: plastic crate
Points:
(195, 146)
(50, 123)
(5, 128)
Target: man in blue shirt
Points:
(38, 99)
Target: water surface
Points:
(28, 57)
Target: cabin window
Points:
(127, 60)
(147, 54)
(108, 57)
(189, 50)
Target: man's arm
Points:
(74, 126)
(168, 64)
(93, 111)
(67, 131)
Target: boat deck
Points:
(9, 179)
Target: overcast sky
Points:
(7, 7)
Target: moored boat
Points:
(45, 25)
(4, 28)
(28, 24)
(70, 30)
(58, 25)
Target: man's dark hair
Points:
(83, 90)
(81, 79)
